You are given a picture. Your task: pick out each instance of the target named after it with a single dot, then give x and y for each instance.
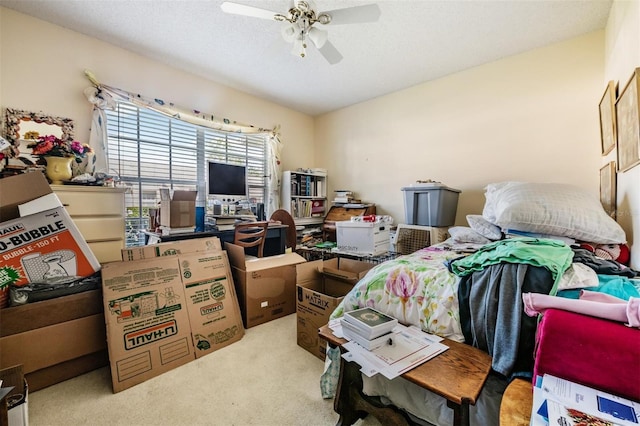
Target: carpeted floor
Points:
(264, 379)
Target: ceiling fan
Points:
(300, 20)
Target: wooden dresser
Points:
(339, 213)
(99, 214)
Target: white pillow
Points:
(484, 227)
(464, 234)
(551, 208)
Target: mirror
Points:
(18, 122)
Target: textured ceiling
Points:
(413, 41)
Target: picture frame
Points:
(607, 109)
(608, 188)
(628, 124)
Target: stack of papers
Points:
(558, 401)
(409, 347)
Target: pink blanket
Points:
(595, 304)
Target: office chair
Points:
(251, 234)
(285, 218)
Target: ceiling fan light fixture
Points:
(301, 18)
(289, 32)
(318, 37)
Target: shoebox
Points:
(17, 398)
(178, 210)
(44, 245)
(266, 286)
(368, 238)
(321, 286)
(166, 311)
(171, 248)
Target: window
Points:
(150, 150)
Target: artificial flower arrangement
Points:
(53, 146)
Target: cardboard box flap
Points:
(40, 204)
(19, 189)
(184, 196)
(238, 259)
(348, 269)
(308, 272)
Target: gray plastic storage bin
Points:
(430, 205)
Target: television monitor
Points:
(226, 179)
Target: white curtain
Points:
(104, 97)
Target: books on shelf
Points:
(370, 323)
(559, 401)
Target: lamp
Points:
(299, 26)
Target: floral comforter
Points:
(417, 289)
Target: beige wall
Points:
(622, 56)
(41, 69)
(530, 117)
(527, 117)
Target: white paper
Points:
(617, 410)
(409, 349)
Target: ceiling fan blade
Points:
(354, 15)
(241, 9)
(330, 53)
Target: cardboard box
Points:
(148, 331)
(366, 238)
(171, 248)
(178, 211)
(212, 304)
(164, 312)
(266, 286)
(40, 246)
(321, 286)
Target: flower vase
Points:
(58, 169)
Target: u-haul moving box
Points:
(214, 313)
(171, 248)
(321, 286)
(148, 330)
(164, 312)
(39, 247)
(266, 286)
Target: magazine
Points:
(570, 403)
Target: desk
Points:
(274, 243)
(458, 374)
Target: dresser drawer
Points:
(100, 228)
(107, 251)
(92, 203)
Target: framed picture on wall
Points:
(628, 124)
(607, 109)
(608, 188)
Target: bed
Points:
(470, 288)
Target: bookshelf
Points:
(304, 196)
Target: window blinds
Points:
(149, 150)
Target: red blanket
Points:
(595, 352)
